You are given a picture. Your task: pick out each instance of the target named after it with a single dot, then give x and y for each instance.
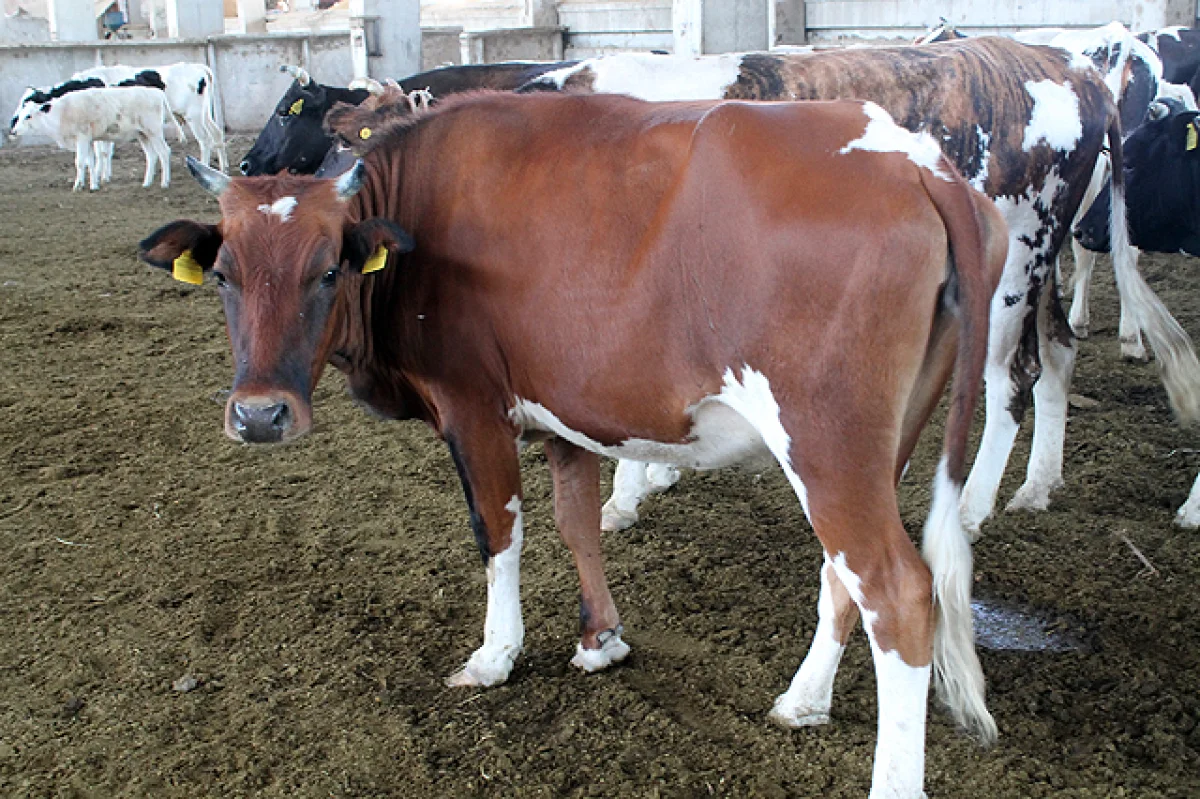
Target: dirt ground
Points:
(312, 597)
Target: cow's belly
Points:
(719, 437)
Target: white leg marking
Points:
(1189, 513)
(630, 487)
(1130, 333)
(903, 691)
(1085, 262)
(999, 432)
(807, 700)
(504, 630)
(612, 650)
(661, 476)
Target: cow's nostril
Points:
(281, 416)
(245, 167)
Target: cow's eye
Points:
(329, 278)
(222, 281)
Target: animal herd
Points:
(635, 257)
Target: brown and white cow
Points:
(1025, 125)
(694, 283)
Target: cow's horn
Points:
(213, 181)
(349, 183)
(370, 84)
(1158, 110)
(299, 73)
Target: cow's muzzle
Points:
(265, 419)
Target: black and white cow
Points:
(1179, 50)
(295, 138)
(1026, 125)
(190, 91)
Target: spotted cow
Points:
(1023, 124)
(519, 253)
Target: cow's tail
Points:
(978, 242)
(1170, 343)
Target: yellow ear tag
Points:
(186, 270)
(296, 107)
(364, 134)
(377, 261)
(1192, 138)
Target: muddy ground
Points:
(318, 593)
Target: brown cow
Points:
(793, 312)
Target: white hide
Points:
(281, 208)
(650, 76)
(1055, 120)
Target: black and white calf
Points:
(79, 119)
(190, 94)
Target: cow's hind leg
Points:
(83, 161)
(1130, 332)
(807, 700)
(576, 474)
(151, 161)
(1085, 263)
(632, 483)
(1056, 347)
(1189, 513)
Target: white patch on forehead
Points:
(1055, 119)
(281, 208)
(883, 135)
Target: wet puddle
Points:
(1005, 626)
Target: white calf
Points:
(79, 119)
(190, 93)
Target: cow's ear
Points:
(1185, 130)
(187, 248)
(365, 246)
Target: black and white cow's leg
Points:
(1130, 332)
(1056, 348)
(487, 464)
(1010, 369)
(1189, 513)
(576, 474)
(807, 700)
(1081, 316)
(633, 481)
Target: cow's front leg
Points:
(491, 477)
(576, 474)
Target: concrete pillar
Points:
(195, 19)
(720, 26)
(72, 20)
(539, 14)
(1151, 14)
(252, 16)
(785, 22)
(385, 38)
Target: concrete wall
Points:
(527, 44)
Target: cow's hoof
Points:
(612, 650)
(485, 669)
(1081, 330)
(972, 520)
(613, 519)
(1188, 518)
(1133, 350)
(793, 718)
(1031, 497)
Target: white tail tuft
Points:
(1170, 342)
(958, 677)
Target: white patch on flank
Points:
(737, 426)
(903, 692)
(649, 76)
(807, 700)
(1055, 118)
(883, 135)
(503, 630)
(281, 208)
